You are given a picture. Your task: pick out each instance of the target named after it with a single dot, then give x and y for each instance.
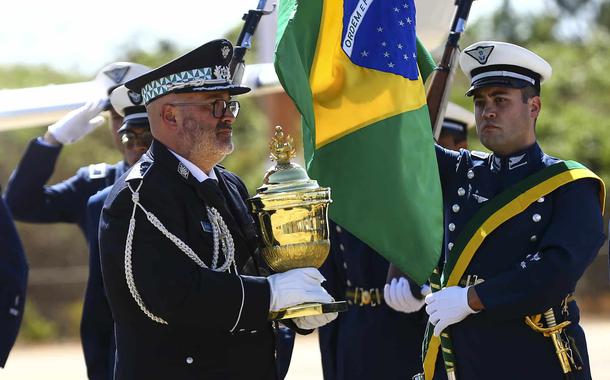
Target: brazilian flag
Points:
(351, 68)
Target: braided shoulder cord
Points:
(221, 237)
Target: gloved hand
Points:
(314, 321)
(447, 306)
(78, 123)
(398, 295)
(296, 286)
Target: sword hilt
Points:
(554, 330)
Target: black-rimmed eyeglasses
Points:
(219, 106)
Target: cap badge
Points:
(225, 50)
(117, 74)
(222, 72)
(134, 97)
(481, 53)
(183, 170)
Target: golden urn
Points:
(291, 211)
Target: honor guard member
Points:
(371, 340)
(523, 228)
(97, 326)
(30, 200)
(454, 131)
(175, 235)
(13, 282)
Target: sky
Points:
(83, 37)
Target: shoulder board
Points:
(479, 154)
(139, 170)
(98, 170)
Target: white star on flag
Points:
(399, 46)
(364, 53)
(390, 65)
(396, 9)
(401, 23)
(409, 20)
(386, 54)
(380, 29)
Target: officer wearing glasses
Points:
(97, 325)
(31, 200)
(176, 235)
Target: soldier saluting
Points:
(175, 236)
(521, 228)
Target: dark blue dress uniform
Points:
(30, 200)
(528, 265)
(201, 306)
(13, 282)
(97, 326)
(370, 340)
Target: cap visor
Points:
(497, 82)
(134, 123)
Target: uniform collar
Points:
(199, 174)
(518, 161)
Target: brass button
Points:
(451, 227)
(470, 174)
(455, 208)
(338, 229)
(461, 191)
(536, 218)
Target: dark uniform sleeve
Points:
(97, 325)
(31, 201)
(13, 282)
(447, 164)
(570, 244)
(172, 285)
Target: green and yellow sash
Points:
(487, 219)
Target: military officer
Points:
(454, 131)
(175, 235)
(97, 326)
(522, 228)
(31, 200)
(13, 282)
(371, 340)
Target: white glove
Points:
(397, 295)
(295, 287)
(78, 123)
(447, 306)
(314, 321)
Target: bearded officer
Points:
(97, 326)
(175, 235)
(522, 227)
